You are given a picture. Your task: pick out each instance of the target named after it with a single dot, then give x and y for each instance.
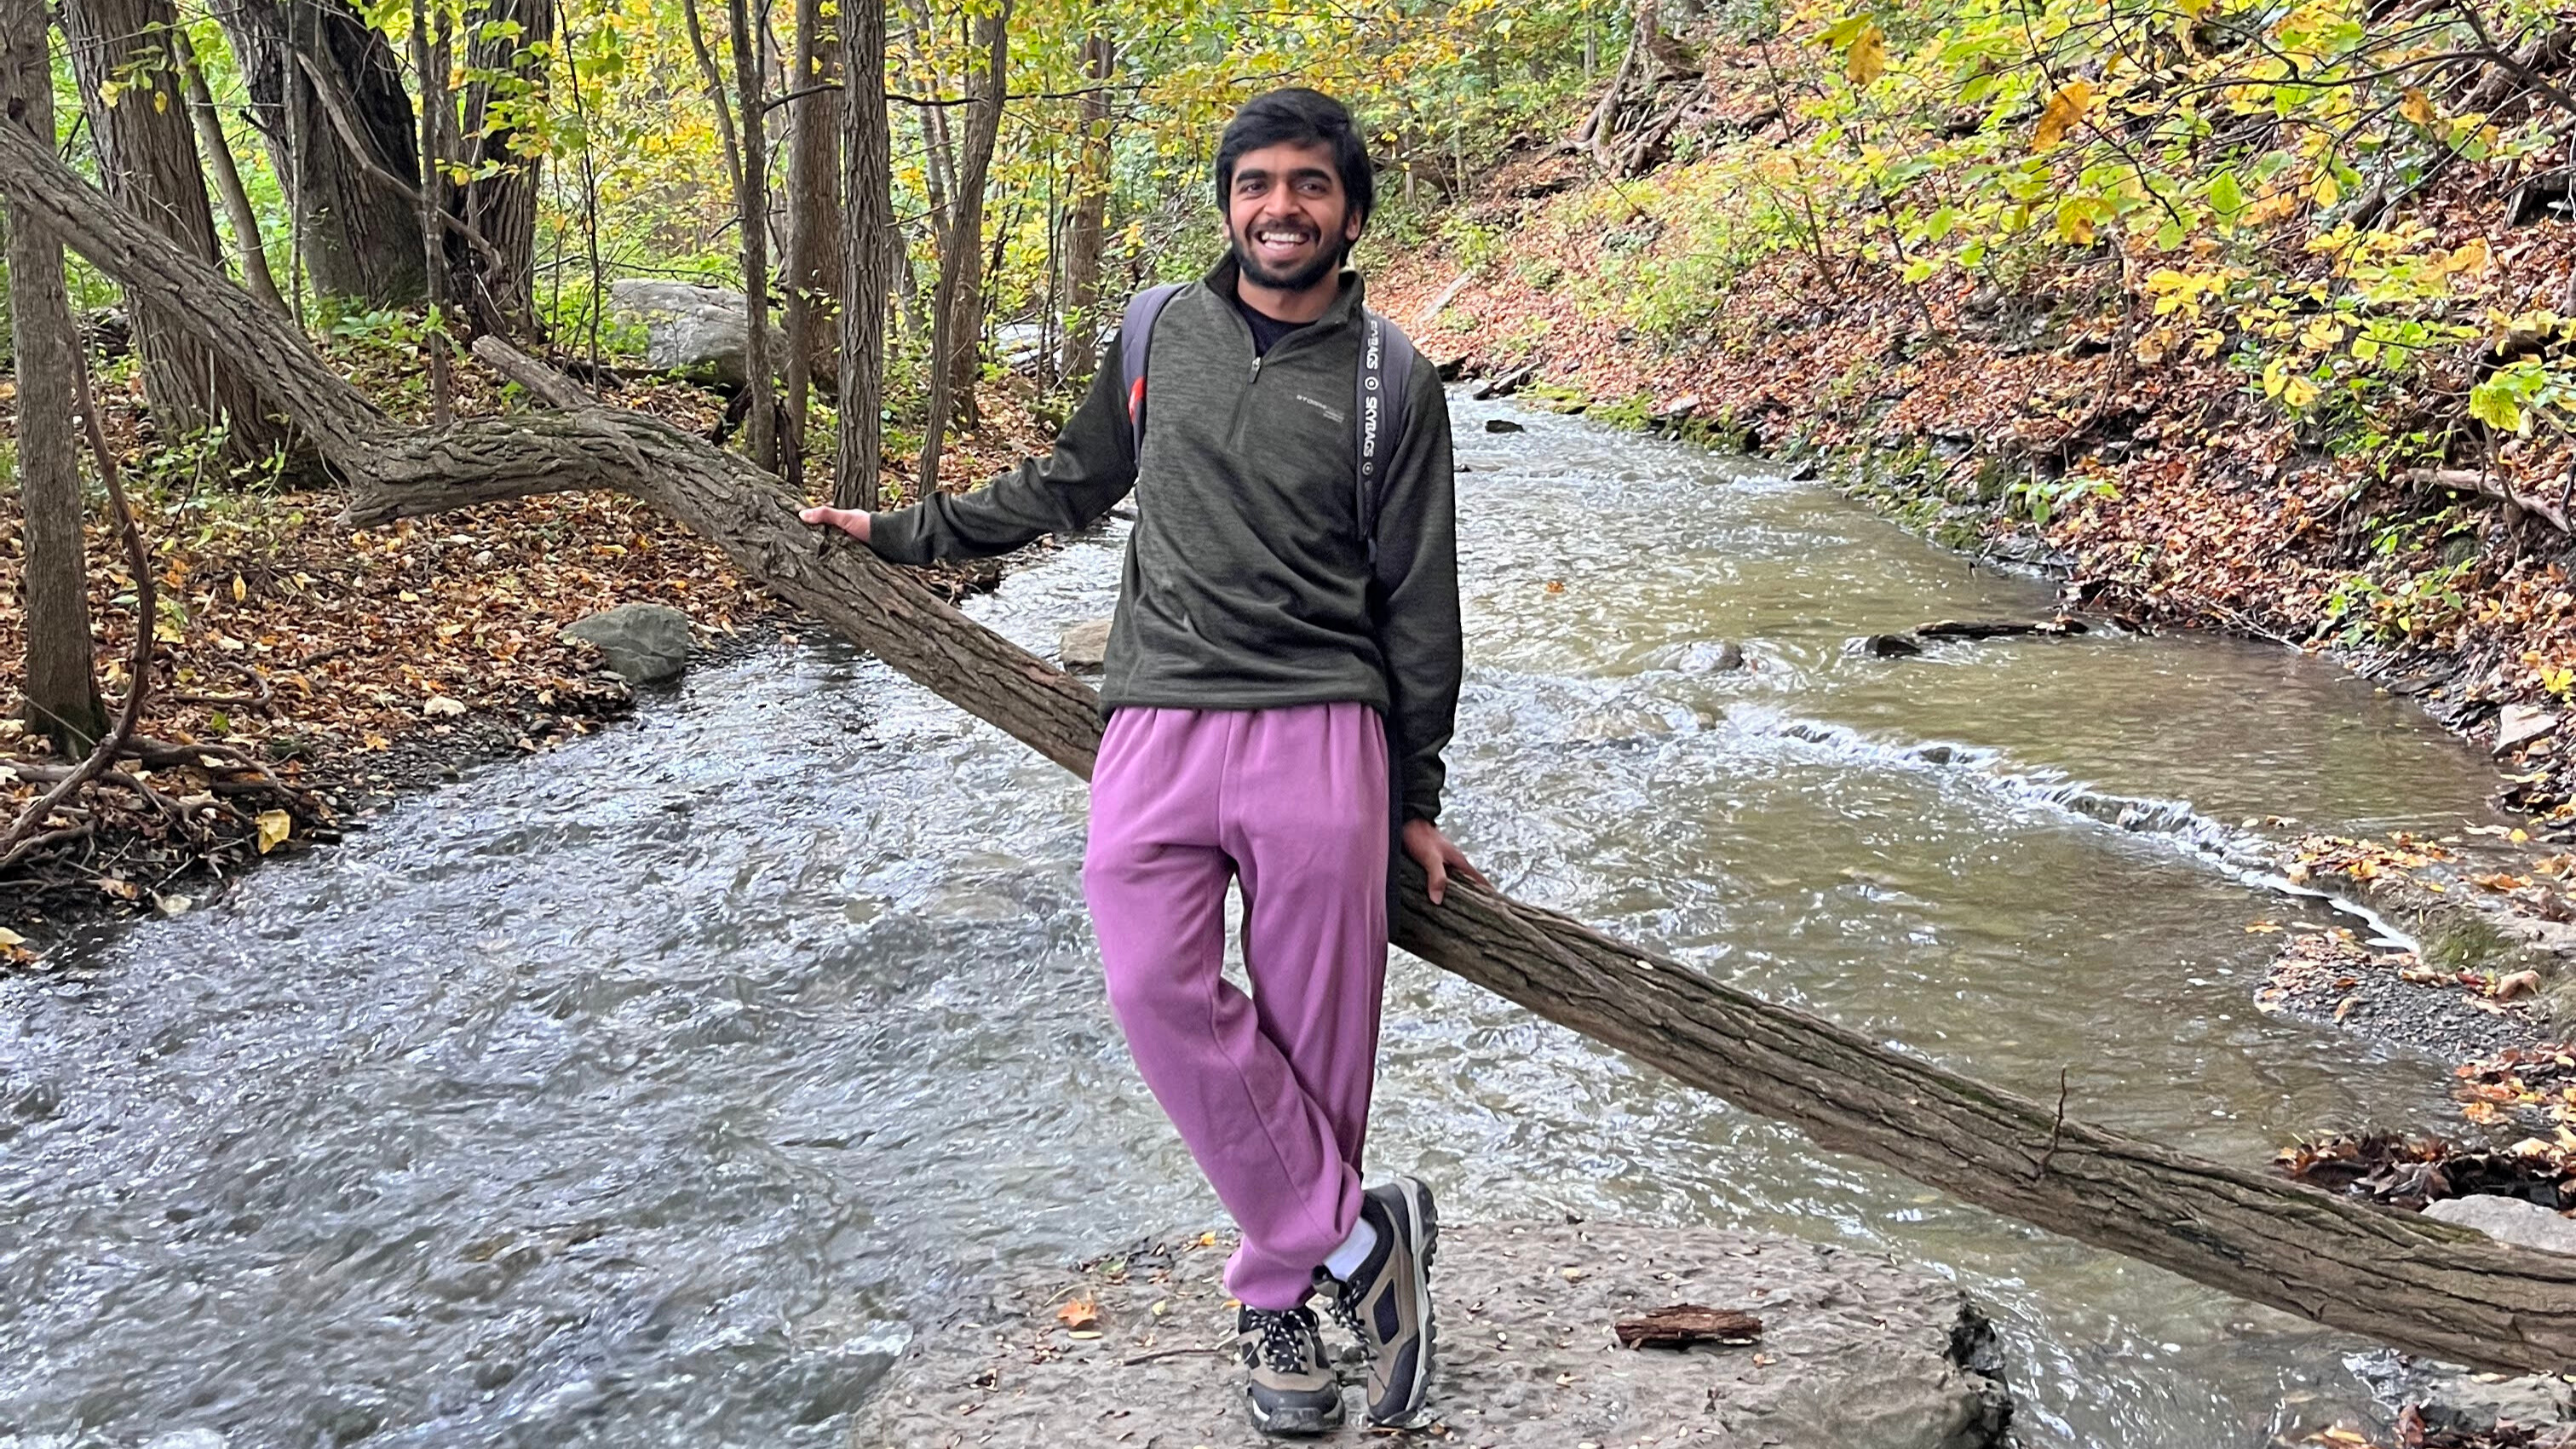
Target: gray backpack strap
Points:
(1385, 387)
(1135, 337)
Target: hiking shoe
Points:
(1293, 1389)
(1386, 1304)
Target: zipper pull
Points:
(1256, 369)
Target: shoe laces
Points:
(1287, 1338)
(1346, 1311)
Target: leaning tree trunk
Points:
(497, 147)
(867, 184)
(1087, 223)
(957, 314)
(318, 74)
(139, 112)
(61, 700)
(220, 162)
(2424, 1286)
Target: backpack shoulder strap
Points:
(1135, 338)
(1385, 391)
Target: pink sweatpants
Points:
(1270, 1091)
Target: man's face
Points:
(1287, 218)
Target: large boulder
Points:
(644, 643)
(701, 333)
(2508, 1220)
(1854, 1353)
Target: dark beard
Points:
(1324, 265)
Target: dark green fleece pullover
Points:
(1247, 585)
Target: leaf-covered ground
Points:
(352, 664)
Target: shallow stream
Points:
(643, 1092)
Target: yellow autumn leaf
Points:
(2075, 223)
(274, 827)
(2469, 256)
(2416, 107)
(9, 938)
(2329, 190)
(2298, 392)
(1866, 61)
(241, 591)
(2064, 109)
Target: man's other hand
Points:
(851, 521)
(1438, 858)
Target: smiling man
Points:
(1281, 680)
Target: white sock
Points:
(1354, 1251)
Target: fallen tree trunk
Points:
(2421, 1285)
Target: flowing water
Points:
(642, 1093)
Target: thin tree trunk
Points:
(867, 181)
(505, 95)
(147, 152)
(956, 313)
(2424, 1286)
(431, 64)
(61, 701)
(814, 218)
(1086, 226)
(754, 200)
(226, 168)
(357, 237)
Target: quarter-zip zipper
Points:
(1243, 401)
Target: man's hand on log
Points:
(851, 521)
(1432, 851)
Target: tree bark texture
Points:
(813, 266)
(61, 700)
(129, 73)
(430, 61)
(762, 417)
(957, 311)
(359, 237)
(2424, 1286)
(868, 234)
(505, 61)
(1087, 220)
(226, 170)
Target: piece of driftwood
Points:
(1680, 1325)
(1997, 628)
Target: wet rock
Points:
(1507, 383)
(1806, 472)
(1084, 645)
(2456, 1400)
(2520, 724)
(2508, 1220)
(1697, 656)
(644, 643)
(698, 332)
(1890, 646)
(1504, 425)
(1855, 1352)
